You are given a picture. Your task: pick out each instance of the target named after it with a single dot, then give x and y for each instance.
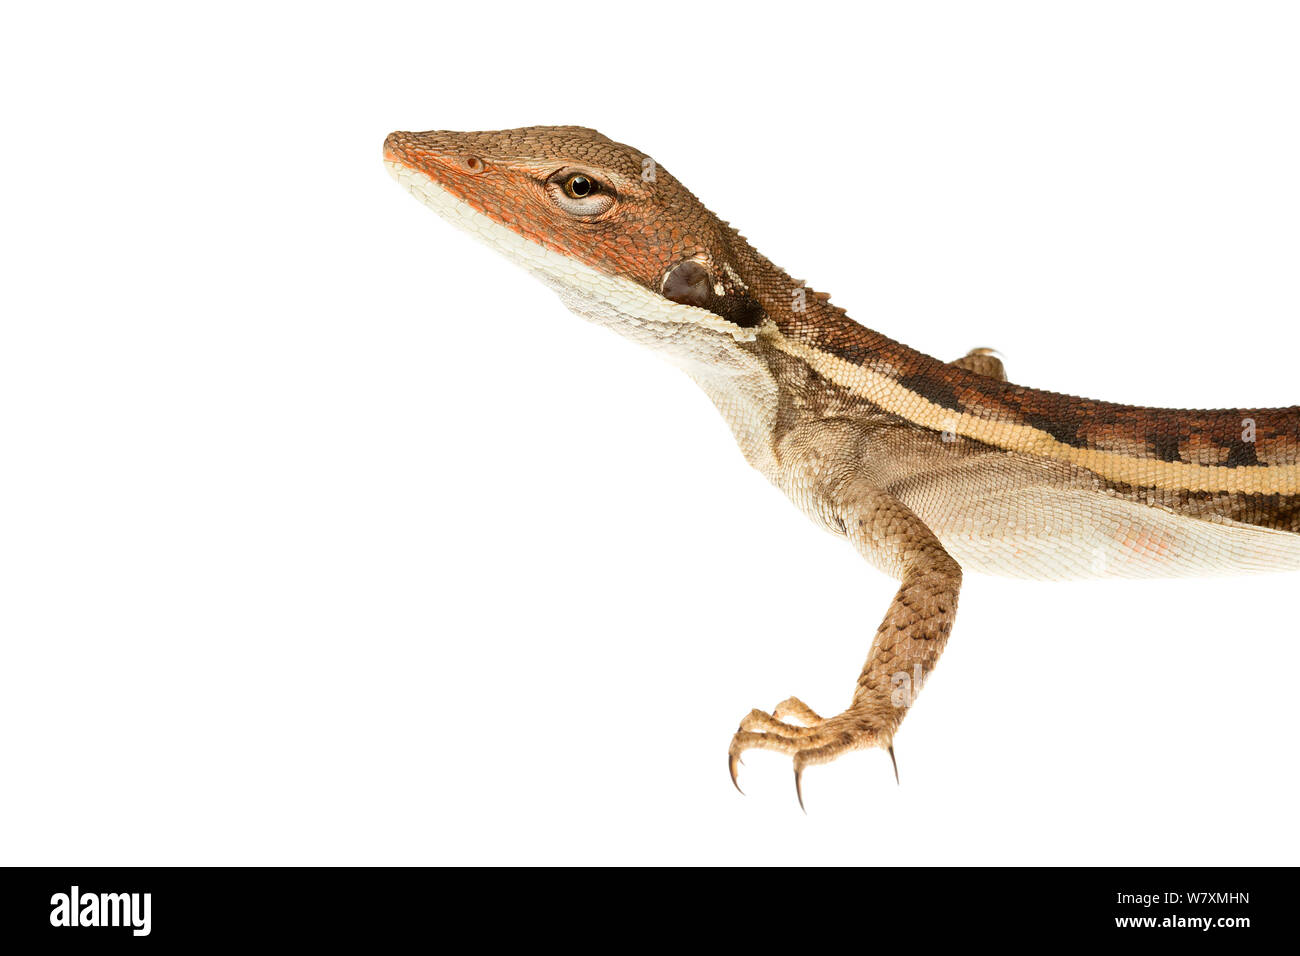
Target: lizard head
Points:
(616, 235)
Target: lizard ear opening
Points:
(689, 283)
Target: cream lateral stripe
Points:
(1144, 472)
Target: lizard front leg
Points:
(982, 362)
(905, 649)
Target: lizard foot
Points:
(821, 740)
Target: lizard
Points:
(927, 468)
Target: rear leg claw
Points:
(820, 742)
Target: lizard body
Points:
(927, 468)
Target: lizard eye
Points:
(579, 186)
(579, 193)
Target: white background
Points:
(329, 537)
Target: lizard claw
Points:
(822, 742)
